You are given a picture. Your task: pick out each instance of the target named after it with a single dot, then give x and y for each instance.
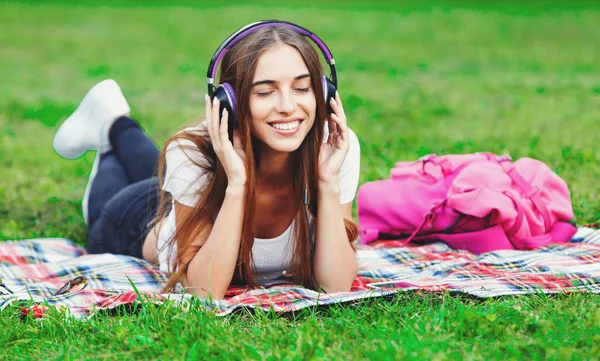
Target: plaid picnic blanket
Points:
(35, 269)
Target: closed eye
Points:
(304, 90)
(263, 94)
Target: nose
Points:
(286, 102)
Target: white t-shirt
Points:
(184, 179)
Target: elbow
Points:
(335, 287)
(212, 294)
(339, 283)
(205, 288)
(217, 296)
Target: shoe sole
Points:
(88, 187)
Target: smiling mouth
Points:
(286, 126)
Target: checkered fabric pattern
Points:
(35, 269)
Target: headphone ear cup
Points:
(329, 93)
(224, 92)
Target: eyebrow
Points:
(266, 81)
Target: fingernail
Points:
(206, 97)
(215, 101)
(224, 111)
(333, 100)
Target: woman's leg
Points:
(122, 225)
(121, 196)
(108, 177)
(138, 154)
(133, 157)
(87, 129)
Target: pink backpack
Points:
(479, 202)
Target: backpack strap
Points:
(532, 193)
(520, 216)
(428, 218)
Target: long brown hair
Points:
(237, 68)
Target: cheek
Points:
(258, 110)
(310, 106)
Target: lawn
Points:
(415, 78)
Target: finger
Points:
(338, 108)
(343, 124)
(334, 105)
(224, 135)
(215, 121)
(331, 124)
(338, 100)
(340, 128)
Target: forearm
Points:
(212, 268)
(335, 260)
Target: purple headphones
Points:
(225, 93)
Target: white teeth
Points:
(286, 126)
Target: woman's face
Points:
(282, 100)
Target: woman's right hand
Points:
(232, 156)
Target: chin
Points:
(285, 145)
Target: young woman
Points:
(271, 197)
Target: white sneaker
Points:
(88, 187)
(87, 128)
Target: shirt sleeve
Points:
(184, 177)
(348, 179)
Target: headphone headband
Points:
(250, 28)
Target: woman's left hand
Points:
(334, 151)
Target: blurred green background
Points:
(415, 78)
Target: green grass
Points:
(415, 78)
